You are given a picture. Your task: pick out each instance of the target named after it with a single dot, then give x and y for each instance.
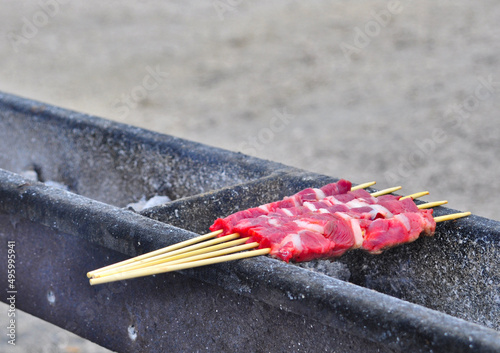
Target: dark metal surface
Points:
(251, 305)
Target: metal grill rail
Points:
(438, 294)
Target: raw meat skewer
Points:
(170, 256)
(210, 261)
(344, 186)
(205, 253)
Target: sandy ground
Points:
(400, 92)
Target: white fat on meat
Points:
(320, 195)
(309, 226)
(380, 209)
(404, 220)
(358, 234)
(295, 239)
(297, 201)
(332, 200)
(356, 229)
(287, 212)
(310, 206)
(357, 203)
(273, 222)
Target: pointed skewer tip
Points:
(431, 204)
(415, 195)
(451, 217)
(363, 186)
(386, 191)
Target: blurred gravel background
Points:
(402, 92)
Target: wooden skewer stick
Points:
(363, 186)
(431, 204)
(415, 195)
(386, 191)
(210, 254)
(149, 259)
(450, 217)
(183, 266)
(159, 251)
(222, 243)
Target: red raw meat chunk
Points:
(304, 245)
(227, 224)
(310, 195)
(413, 222)
(388, 197)
(366, 209)
(398, 206)
(403, 228)
(429, 224)
(384, 233)
(320, 236)
(270, 237)
(364, 195)
(337, 208)
(340, 187)
(290, 212)
(344, 198)
(340, 232)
